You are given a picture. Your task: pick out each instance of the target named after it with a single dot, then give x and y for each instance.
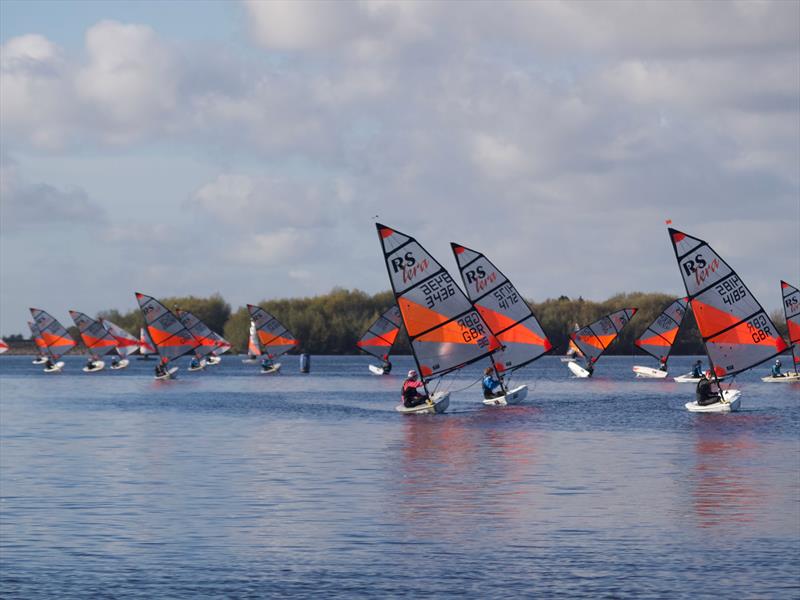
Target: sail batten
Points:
(505, 311)
(446, 331)
(737, 331)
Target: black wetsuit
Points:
(704, 394)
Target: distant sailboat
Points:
(380, 337)
(57, 341)
(791, 310)
(508, 316)
(446, 331)
(594, 339)
(737, 332)
(658, 338)
(253, 346)
(273, 337)
(222, 346)
(169, 335)
(147, 349)
(41, 347)
(97, 339)
(127, 344)
(202, 333)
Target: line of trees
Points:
(332, 323)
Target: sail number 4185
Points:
(731, 290)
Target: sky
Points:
(248, 148)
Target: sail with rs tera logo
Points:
(736, 330)
(446, 331)
(504, 310)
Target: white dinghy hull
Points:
(376, 370)
(732, 400)
(577, 370)
(39, 361)
(213, 360)
(272, 370)
(787, 378)
(686, 378)
(170, 374)
(199, 367)
(438, 404)
(99, 365)
(649, 372)
(515, 396)
(120, 365)
(56, 368)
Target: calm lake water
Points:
(226, 483)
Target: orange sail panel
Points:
(791, 310)
(272, 335)
(37, 339)
(169, 335)
(54, 335)
(253, 345)
(97, 338)
(736, 329)
(3, 347)
(379, 338)
(445, 330)
(658, 338)
(146, 346)
(594, 339)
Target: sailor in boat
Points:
(386, 366)
(115, 361)
(590, 365)
(161, 368)
(90, 363)
(266, 362)
(697, 370)
(705, 394)
(663, 364)
(411, 391)
(490, 384)
(776, 369)
(48, 364)
(195, 364)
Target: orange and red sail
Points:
(592, 340)
(381, 335)
(659, 337)
(168, 334)
(127, 344)
(206, 340)
(503, 308)
(446, 331)
(273, 337)
(791, 309)
(96, 338)
(56, 339)
(736, 329)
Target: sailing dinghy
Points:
(380, 337)
(658, 338)
(273, 337)
(791, 310)
(170, 337)
(508, 316)
(446, 331)
(736, 330)
(97, 339)
(594, 339)
(127, 344)
(202, 333)
(57, 340)
(222, 346)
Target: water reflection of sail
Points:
(724, 488)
